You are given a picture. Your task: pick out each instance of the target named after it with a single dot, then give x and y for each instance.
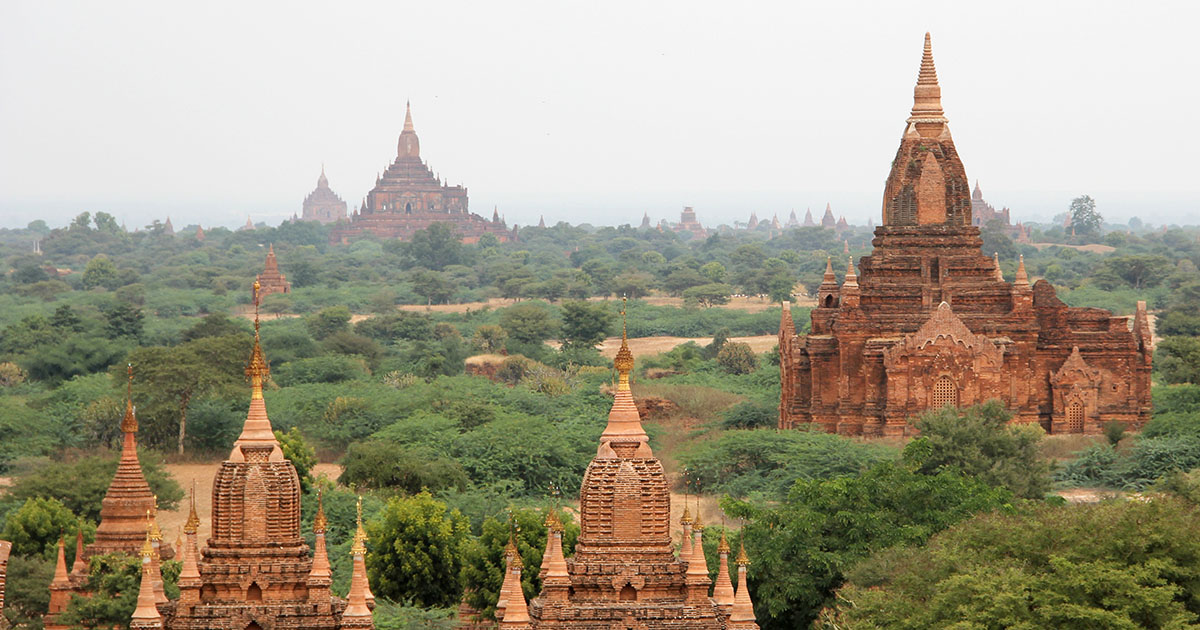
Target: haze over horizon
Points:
(595, 114)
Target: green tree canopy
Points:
(585, 324)
(416, 545)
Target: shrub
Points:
(750, 415)
(741, 463)
(324, 369)
(737, 358)
(1135, 468)
(380, 465)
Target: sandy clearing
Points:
(1095, 248)
(649, 346)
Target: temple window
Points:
(944, 393)
(628, 593)
(1075, 417)
(254, 593)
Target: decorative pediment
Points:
(944, 326)
(1076, 371)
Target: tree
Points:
(436, 247)
(434, 286)
(484, 561)
(302, 456)
(736, 357)
(978, 441)
(1085, 220)
(1177, 359)
(1043, 567)
(169, 378)
(328, 321)
(378, 464)
(112, 583)
(713, 271)
(100, 272)
(489, 339)
(124, 320)
(682, 279)
(585, 324)
(632, 284)
(35, 528)
(416, 546)
(828, 526)
(707, 295)
(527, 323)
(215, 325)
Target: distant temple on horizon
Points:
(931, 321)
(409, 197)
(322, 204)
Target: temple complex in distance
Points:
(930, 321)
(625, 573)
(409, 197)
(688, 223)
(983, 214)
(322, 204)
(271, 280)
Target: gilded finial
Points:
(687, 516)
(624, 359)
(742, 558)
(319, 521)
(723, 545)
(697, 526)
(152, 516)
(553, 523)
(193, 521)
(147, 547)
(258, 370)
(513, 555)
(360, 535)
(129, 422)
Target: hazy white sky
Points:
(592, 112)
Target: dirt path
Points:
(648, 346)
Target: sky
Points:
(209, 112)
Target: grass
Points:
(694, 401)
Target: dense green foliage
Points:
(80, 484)
(113, 581)
(978, 441)
(416, 551)
(1044, 567)
(826, 526)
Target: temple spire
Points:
(1022, 275)
(408, 123)
(320, 571)
(741, 617)
(358, 612)
(624, 421)
(512, 558)
(685, 547)
(996, 263)
(146, 615)
(516, 610)
(257, 435)
(189, 574)
(60, 568)
(697, 569)
(80, 565)
(723, 593)
(927, 115)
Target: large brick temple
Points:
(409, 197)
(625, 573)
(929, 320)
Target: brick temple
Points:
(271, 280)
(409, 197)
(929, 320)
(322, 204)
(625, 573)
(128, 507)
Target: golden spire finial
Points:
(129, 422)
(687, 515)
(624, 359)
(514, 556)
(723, 545)
(147, 547)
(152, 516)
(742, 558)
(553, 523)
(360, 535)
(258, 370)
(193, 521)
(319, 521)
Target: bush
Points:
(1044, 567)
(768, 463)
(979, 442)
(737, 358)
(749, 415)
(380, 465)
(324, 369)
(1135, 468)
(415, 544)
